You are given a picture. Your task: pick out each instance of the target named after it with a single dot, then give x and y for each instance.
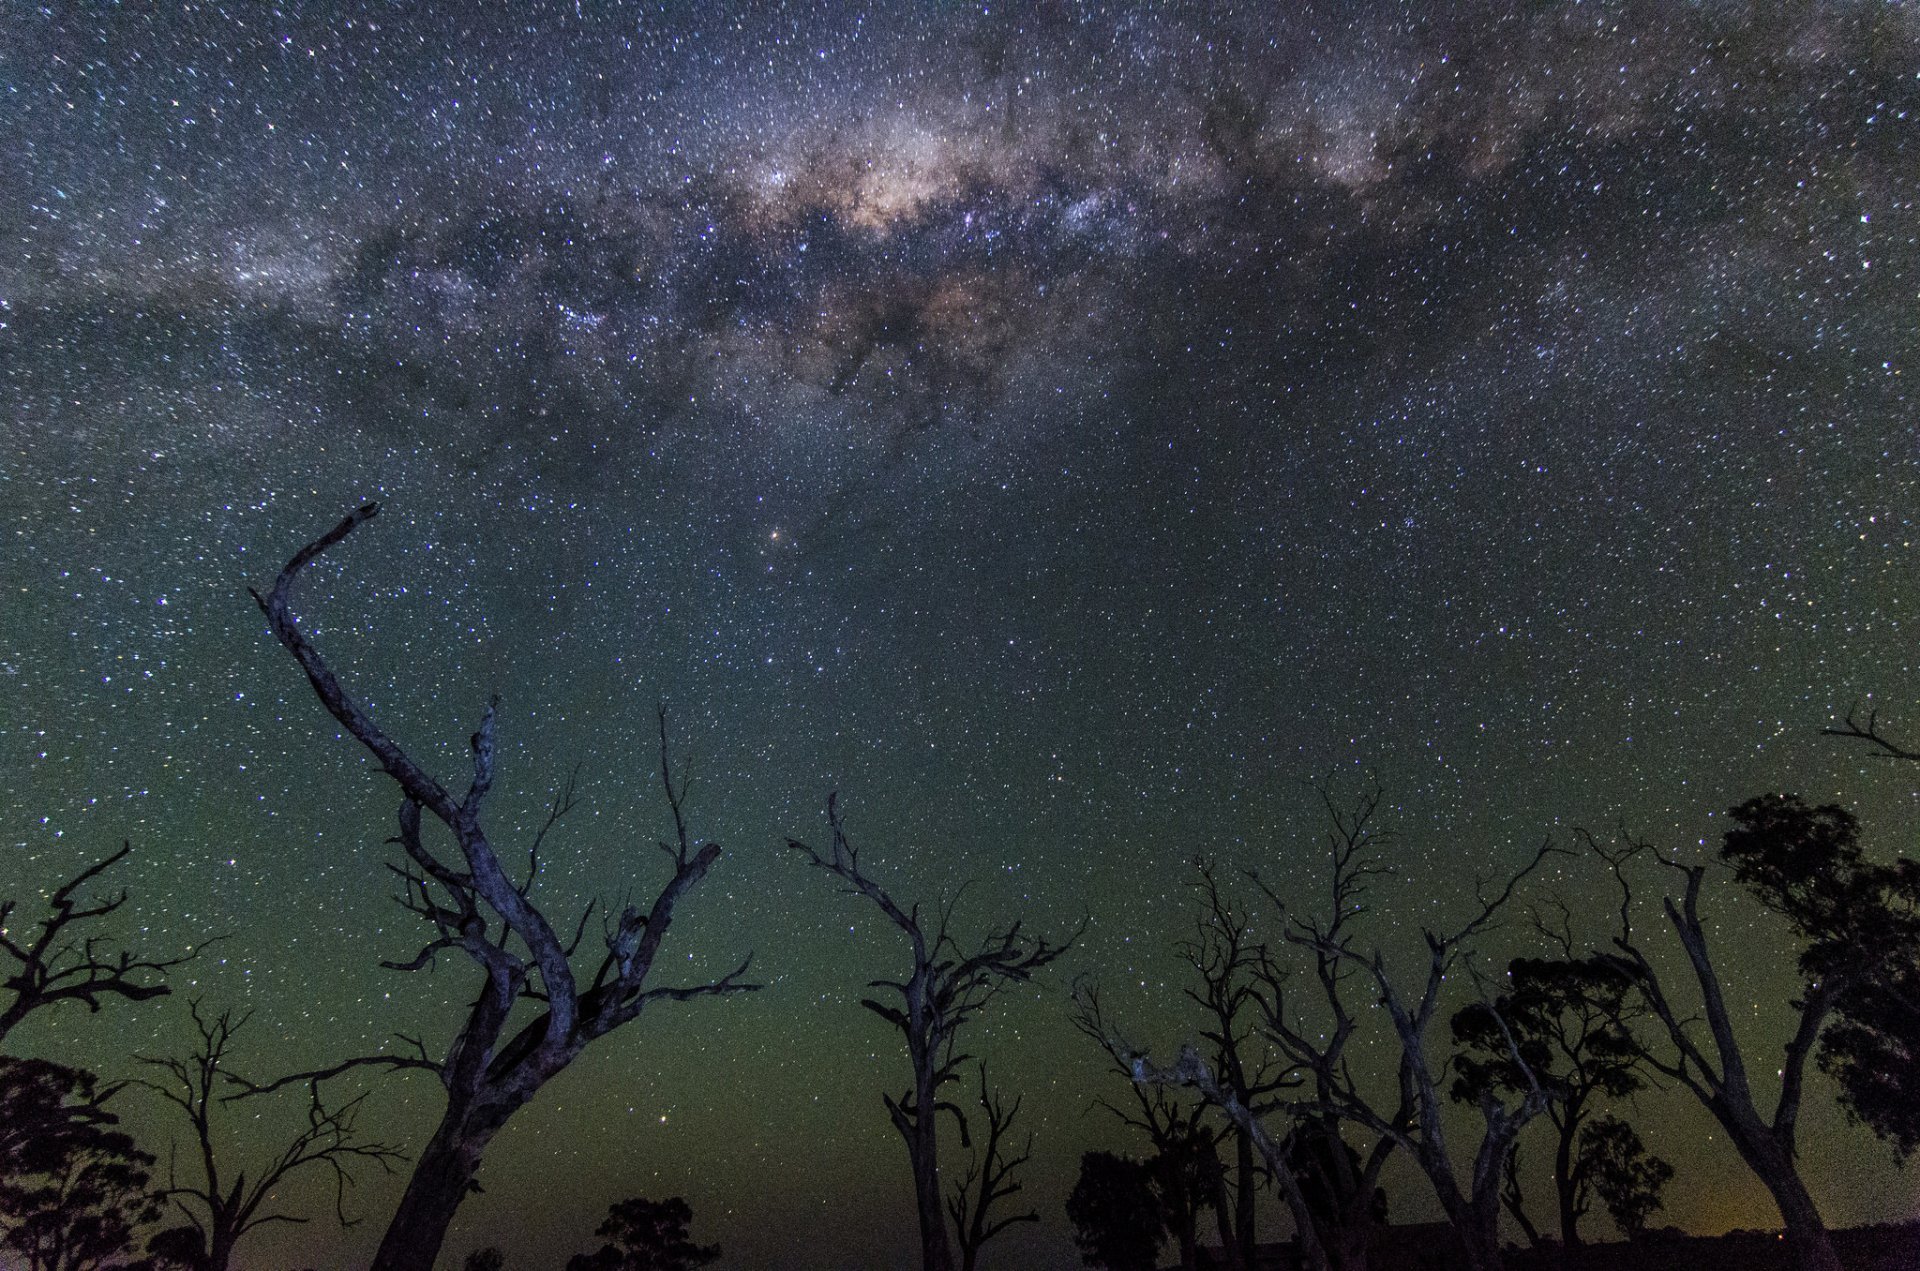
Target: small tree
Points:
(991, 1177)
(1185, 1164)
(1116, 1213)
(66, 960)
(220, 1209)
(535, 1013)
(646, 1235)
(1622, 1173)
(1858, 923)
(946, 986)
(73, 1189)
(1570, 1021)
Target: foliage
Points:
(1116, 1214)
(1872, 1050)
(1627, 1178)
(646, 1235)
(1567, 1021)
(487, 1259)
(73, 1189)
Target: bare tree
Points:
(498, 1057)
(1858, 920)
(57, 963)
(1414, 1120)
(1869, 732)
(1185, 1166)
(219, 1211)
(945, 989)
(989, 1180)
(1229, 966)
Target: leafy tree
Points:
(1858, 923)
(1622, 1173)
(1569, 1020)
(1872, 1051)
(73, 1189)
(1116, 1213)
(646, 1235)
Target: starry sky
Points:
(1066, 429)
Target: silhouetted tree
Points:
(499, 1057)
(990, 1179)
(73, 1189)
(1414, 1121)
(1569, 1019)
(1326, 1167)
(1184, 1165)
(646, 1235)
(1872, 1047)
(1622, 1173)
(220, 1210)
(1228, 965)
(1856, 921)
(487, 1259)
(945, 987)
(1115, 1213)
(64, 960)
(1872, 1051)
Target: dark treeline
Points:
(1316, 1056)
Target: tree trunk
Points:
(923, 1147)
(1243, 1198)
(1807, 1241)
(1565, 1186)
(441, 1179)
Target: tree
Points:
(1570, 1020)
(646, 1235)
(1872, 1047)
(1857, 922)
(944, 989)
(499, 1056)
(990, 1178)
(1115, 1213)
(486, 1259)
(1228, 965)
(1184, 1167)
(1622, 1173)
(58, 964)
(220, 1211)
(1318, 1046)
(73, 1189)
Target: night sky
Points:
(1065, 429)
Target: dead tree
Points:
(1858, 921)
(989, 1180)
(1186, 1166)
(57, 963)
(1413, 1121)
(220, 1211)
(946, 987)
(499, 1057)
(1227, 964)
(1869, 732)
